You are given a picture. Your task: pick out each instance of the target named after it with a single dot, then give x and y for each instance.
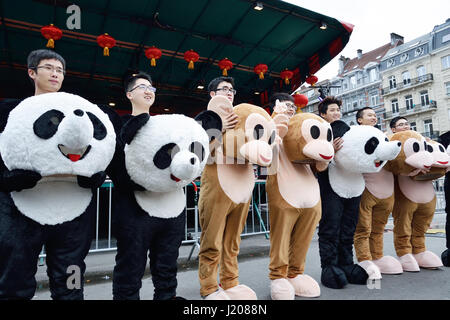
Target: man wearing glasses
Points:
(224, 86)
(46, 69)
(399, 124)
(66, 244)
(132, 229)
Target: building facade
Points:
(416, 82)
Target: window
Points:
(359, 78)
(447, 88)
(374, 99)
(409, 102)
(345, 85)
(413, 126)
(352, 82)
(428, 127)
(373, 75)
(394, 105)
(310, 93)
(424, 99)
(421, 73)
(392, 82)
(445, 62)
(349, 106)
(446, 38)
(406, 78)
(355, 105)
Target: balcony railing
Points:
(433, 135)
(408, 84)
(418, 108)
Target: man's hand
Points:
(229, 121)
(337, 143)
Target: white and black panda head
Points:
(166, 152)
(58, 133)
(365, 149)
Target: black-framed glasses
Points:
(144, 87)
(226, 90)
(291, 105)
(403, 124)
(50, 68)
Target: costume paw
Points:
(305, 286)
(241, 292)
(281, 289)
(409, 263)
(217, 295)
(445, 258)
(388, 265)
(355, 274)
(333, 277)
(428, 260)
(371, 269)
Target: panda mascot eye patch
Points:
(163, 158)
(58, 134)
(371, 145)
(46, 125)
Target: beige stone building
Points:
(416, 82)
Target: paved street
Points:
(254, 261)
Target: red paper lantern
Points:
(51, 33)
(260, 69)
(286, 75)
(312, 80)
(106, 41)
(191, 56)
(225, 65)
(300, 100)
(153, 54)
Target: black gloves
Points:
(94, 182)
(18, 179)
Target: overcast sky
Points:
(375, 20)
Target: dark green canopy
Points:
(282, 36)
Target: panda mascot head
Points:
(60, 136)
(58, 133)
(163, 154)
(365, 149)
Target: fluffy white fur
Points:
(22, 149)
(53, 200)
(157, 132)
(345, 171)
(164, 197)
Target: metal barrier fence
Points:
(257, 220)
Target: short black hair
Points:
(323, 105)
(394, 121)
(281, 96)
(214, 83)
(359, 113)
(34, 57)
(131, 80)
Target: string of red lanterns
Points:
(260, 69)
(191, 56)
(225, 65)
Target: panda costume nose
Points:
(78, 112)
(399, 144)
(192, 160)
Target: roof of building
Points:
(372, 56)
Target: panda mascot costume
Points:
(365, 149)
(55, 148)
(162, 154)
(445, 256)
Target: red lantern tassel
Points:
(225, 73)
(153, 62)
(286, 80)
(106, 51)
(191, 65)
(50, 43)
(261, 75)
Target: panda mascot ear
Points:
(210, 121)
(339, 128)
(131, 127)
(444, 139)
